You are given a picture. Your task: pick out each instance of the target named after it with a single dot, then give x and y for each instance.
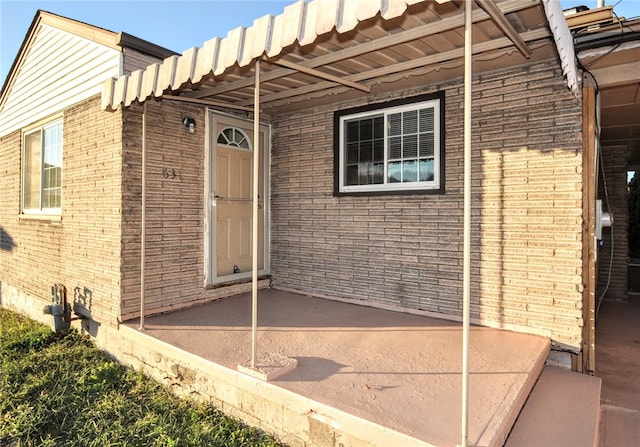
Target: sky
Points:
(177, 25)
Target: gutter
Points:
(598, 40)
(126, 40)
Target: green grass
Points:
(59, 390)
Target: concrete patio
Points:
(396, 370)
(618, 358)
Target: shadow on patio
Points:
(397, 370)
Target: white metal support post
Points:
(143, 219)
(254, 221)
(466, 269)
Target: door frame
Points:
(214, 118)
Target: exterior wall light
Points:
(189, 123)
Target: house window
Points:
(42, 169)
(390, 148)
(232, 136)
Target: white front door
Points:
(231, 199)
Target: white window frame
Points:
(40, 127)
(435, 185)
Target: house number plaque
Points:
(169, 173)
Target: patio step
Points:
(563, 410)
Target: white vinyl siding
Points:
(58, 70)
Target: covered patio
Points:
(365, 376)
(397, 370)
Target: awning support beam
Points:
(143, 217)
(206, 102)
(254, 222)
(423, 31)
(501, 21)
(319, 74)
(425, 61)
(466, 243)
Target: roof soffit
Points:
(611, 54)
(84, 30)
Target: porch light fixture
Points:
(189, 123)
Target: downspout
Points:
(466, 269)
(143, 218)
(254, 226)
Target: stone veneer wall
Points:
(406, 250)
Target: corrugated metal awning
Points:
(315, 50)
(564, 42)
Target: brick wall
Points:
(174, 270)
(94, 249)
(30, 259)
(614, 161)
(406, 250)
(81, 250)
(402, 250)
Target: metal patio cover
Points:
(316, 50)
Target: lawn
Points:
(60, 390)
